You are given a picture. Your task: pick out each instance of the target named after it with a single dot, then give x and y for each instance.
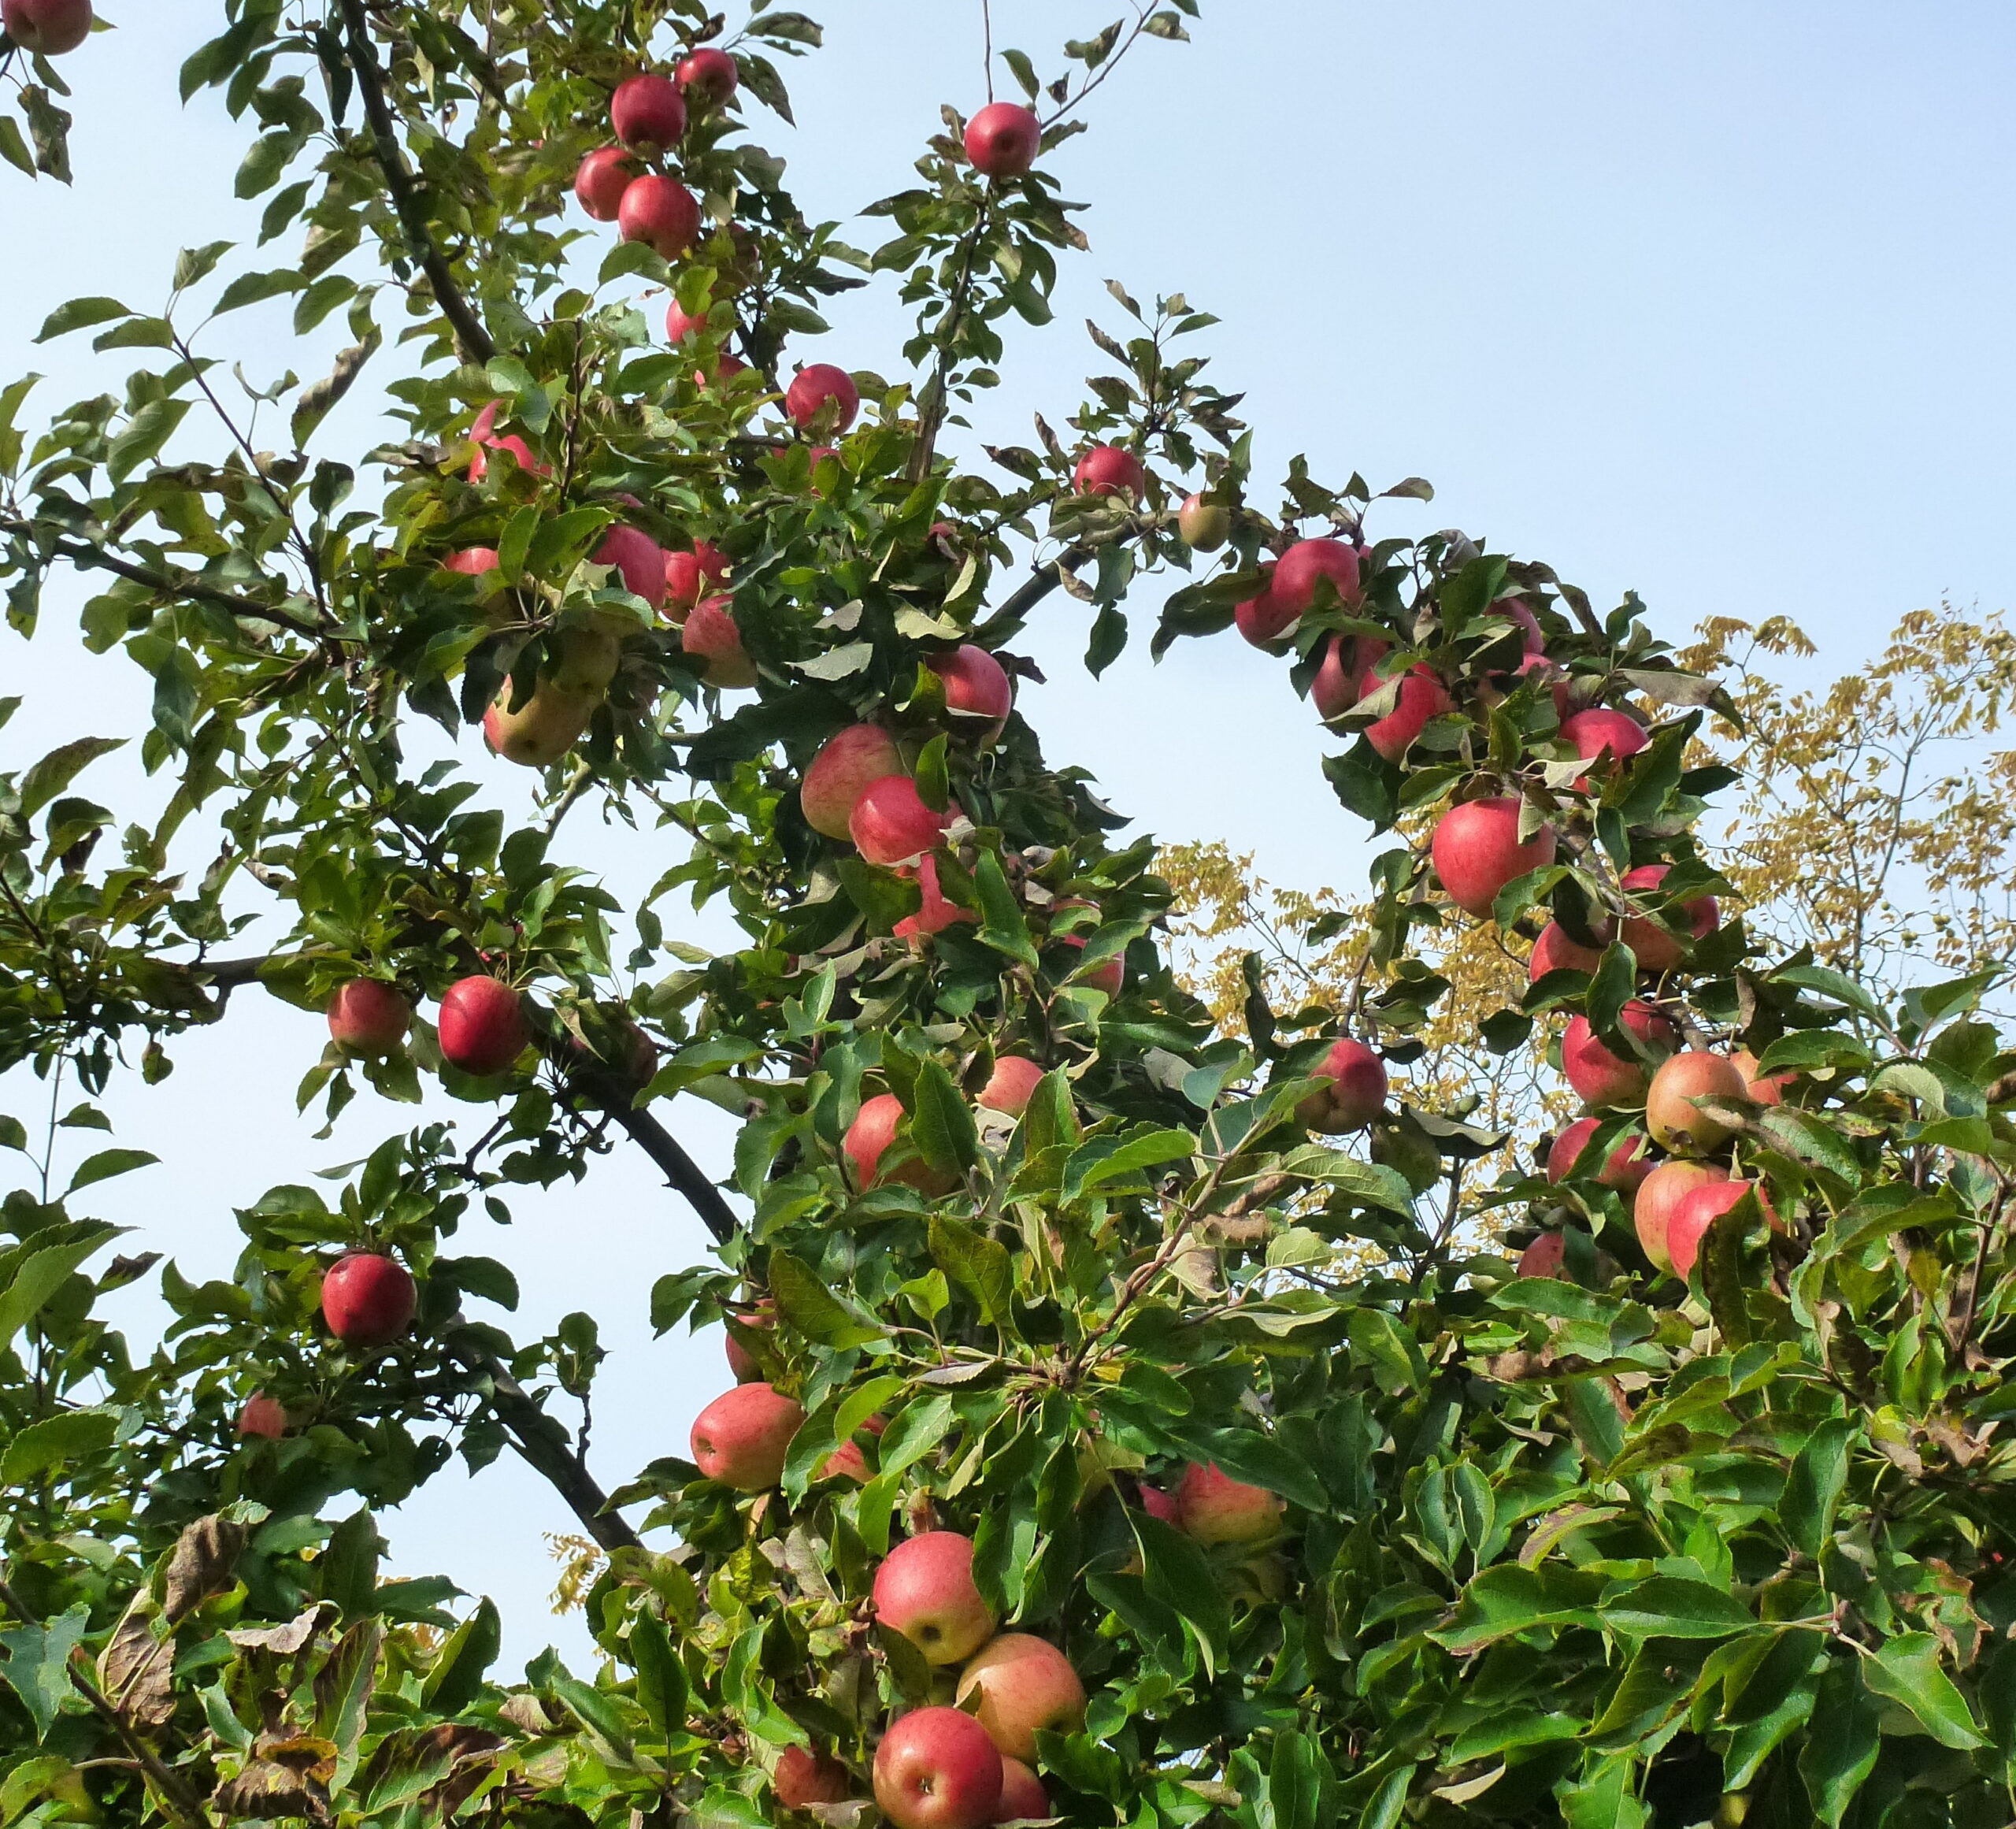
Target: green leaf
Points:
(40, 1273)
(47, 778)
(1842, 1745)
(144, 435)
(1509, 1599)
(70, 1435)
(1126, 1163)
(81, 315)
(1813, 1486)
(194, 264)
(1907, 1669)
(978, 1264)
(456, 1679)
(942, 1124)
(1179, 1574)
(1674, 1607)
(808, 1305)
(38, 1664)
(109, 1163)
(662, 1684)
(1003, 926)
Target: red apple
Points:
(977, 687)
(1600, 735)
(710, 636)
(803, 1778)
(601, 180)
(472, 562)
(483, 437)
(1110, 469)
(1214, 1508)
(741, 1438)
(263, 1416)
(1306, 564)
(482, 1025)
(1659, 1199)
(1002, 140)
(1546, 1256)
(868, 1137)
(368, 1299)
(1421, 696)
(1264, 618)
(639, 561)
(1011, 1085)
(846, 763)
(369, 1018)
(1108, 976)
(1023, 1798)
(1599, 1077)
(537, 733)
(812, 388)
(688, 574)
(679, 325)
(660, 212)
(709, 76)
(935, 913)
(647, 112)
(891, 823)
(1625, 1169)
(936, 1769)
(1698, 1209)
(725, 368)
(1357, 1092)
(924, 1590)
(50, 28)
(1675, 1123)
(1477, 851)
(1759, 1087)
(741, 1361)
(1158, 1504)
(1558, 951)
(1655, 949)
(1020, 1683)
(1334, 689)
(1201, 524)
(846, 1461)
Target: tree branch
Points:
(1010, 618)
(474, 340)
(680, 1171)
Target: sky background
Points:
(1705, 301)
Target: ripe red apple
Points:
(1421, 696)
(1625, 1169)
(803, 1778)
(688, 574)
(1602, 735)
(709, 76)
(679, 325)
(1674, 1120)
(1659, 1199)
(660, 212)
(868, 1137)
(846, 1461)
(1759, 1087)
(369, 1018)
(50, 27)
(1002, 140)
(935, 913)
(846, 763)
(1108, 976)
(601, 180)
(1654, 948)
(263, 1416)
(1477, 851)
(1558, 951)
(539, 733)
(924, 1590)
(1697, 1209)
(741, 1438)
(725, 368)
(1023, 1798)
(891, 823)
(1546, 1256)
(710, 636)
(1334, 689)
(1158, 1504)
(1214, 1508)
(813, 387)
(1011, 1085)
(1306, 564)
(368, 1299)
(1357, 1092)
(977, 687)
(472, 562)
(1110, 469)
(1263, 618)
(483, 435)
(1020, 1683)
(638, 562)
(482, 1025)
(1599, 1077)
(936, 1769)
(647, 112)
(1204, 525)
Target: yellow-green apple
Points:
(925, 1590)
(1110, 469)
(584, 661)
(1655, 949)
(1214, 1508)
(1759, 1087)
(660, 212)
(935, 912)
(1202, 524)
(1601, 1077)
(1546, 1257)
(709, 76)
(1018, 1684)
(868, 1139)
(639, 560)
(1023, 1798)
(539, 733)
(1356, 1093)
(1557, 950)
(1659, 1198)
(1002, 140)
(1625, 1169)
(368, 1017)
(1676, 1122)
(688, 575)
(1421, 697)
(1600, 735)
(368, 1299)
(740, 1439)
(936, 1769)
(976, 689)
(647, 112)
(1011, 1085)
(482, 1024)
(710, 636)
(50, 28)
(891, 825)
(804, 1777)
(263, 1416)
(600, 180)
(1698, 1209)
(1477, 852)
(820, 389)
(846, 763)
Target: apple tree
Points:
(1123, 1421)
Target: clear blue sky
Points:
(1709, 301)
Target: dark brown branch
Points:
(680, 1171)
(473, 340)
(1008, 620)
